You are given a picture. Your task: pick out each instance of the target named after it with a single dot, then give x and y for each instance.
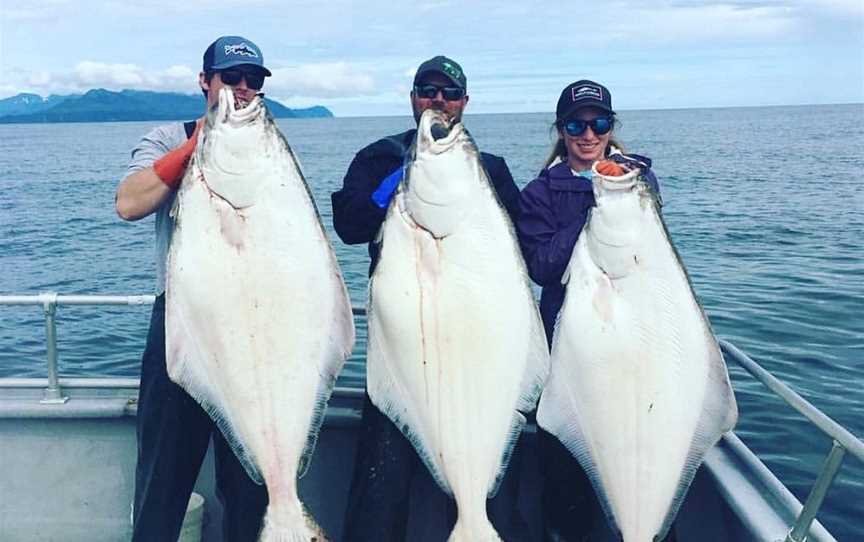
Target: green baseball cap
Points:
(447, 67)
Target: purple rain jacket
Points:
(553, 209)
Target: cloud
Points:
(434, 5)
(325, 79)
(735, 20)
(837, 7)
(36, 11)
(88, 74)
(711, 22)
(318, 80)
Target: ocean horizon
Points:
(468, 112)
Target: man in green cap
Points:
(386, 462)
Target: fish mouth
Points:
(228, 113)
(227, 145)
(236, 111)
(437, 132)
(623, 182)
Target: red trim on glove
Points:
(171, 167)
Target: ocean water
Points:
(765, 206)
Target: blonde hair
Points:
(559, 148)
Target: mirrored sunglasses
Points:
(600, 126)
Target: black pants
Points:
(173, 435)
(568, 501)
(378, 502)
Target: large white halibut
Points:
(638, 390)
(258, 320)
(456, 345)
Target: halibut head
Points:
(456, 346)
(638, 390)
(258, 320)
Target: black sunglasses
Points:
(451, 94)
(233, 76)
(600, 126)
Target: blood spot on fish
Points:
(232, 226)
(602, 298)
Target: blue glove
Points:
(384, 193)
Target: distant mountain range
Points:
(100, 105)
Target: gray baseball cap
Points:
(230, 51)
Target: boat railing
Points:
(843, 441)
(49, 301)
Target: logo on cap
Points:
(451, 70)
(583, 92)
(241, 49)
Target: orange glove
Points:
(171, 167)
(609, 168)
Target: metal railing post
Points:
(843, 441)
(53, 394)
(817, 494)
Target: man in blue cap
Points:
(386, 463)
(173, 430)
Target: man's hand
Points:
(610, 168)
(171, 167)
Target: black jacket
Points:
(357, 219)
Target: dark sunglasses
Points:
(451, 94)
(600, 126)
(233, 76)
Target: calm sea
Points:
(765, 205)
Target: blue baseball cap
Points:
(229, 51)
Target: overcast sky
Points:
(358, 58)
